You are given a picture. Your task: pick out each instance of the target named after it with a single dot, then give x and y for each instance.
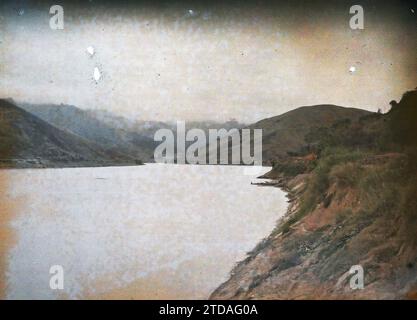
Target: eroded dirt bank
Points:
(310, 252)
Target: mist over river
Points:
(147, 232)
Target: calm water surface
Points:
(147, 232)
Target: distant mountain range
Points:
(115, 139)
(148, 128)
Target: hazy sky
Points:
(248, 62)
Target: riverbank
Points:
(351, 209)
(352, 189)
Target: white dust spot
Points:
(352, 69)
(91, 51)
(191, 13)
(96, 74)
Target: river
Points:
(147, 232)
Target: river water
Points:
(147, 232)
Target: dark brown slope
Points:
(286, 133)
(27, 141)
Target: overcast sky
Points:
(216, 62)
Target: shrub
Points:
(291, 168)
(318, 183)
(346, 174)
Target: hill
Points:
(110, 132)
(27, 141)
(285, 134)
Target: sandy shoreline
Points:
(8, 211)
